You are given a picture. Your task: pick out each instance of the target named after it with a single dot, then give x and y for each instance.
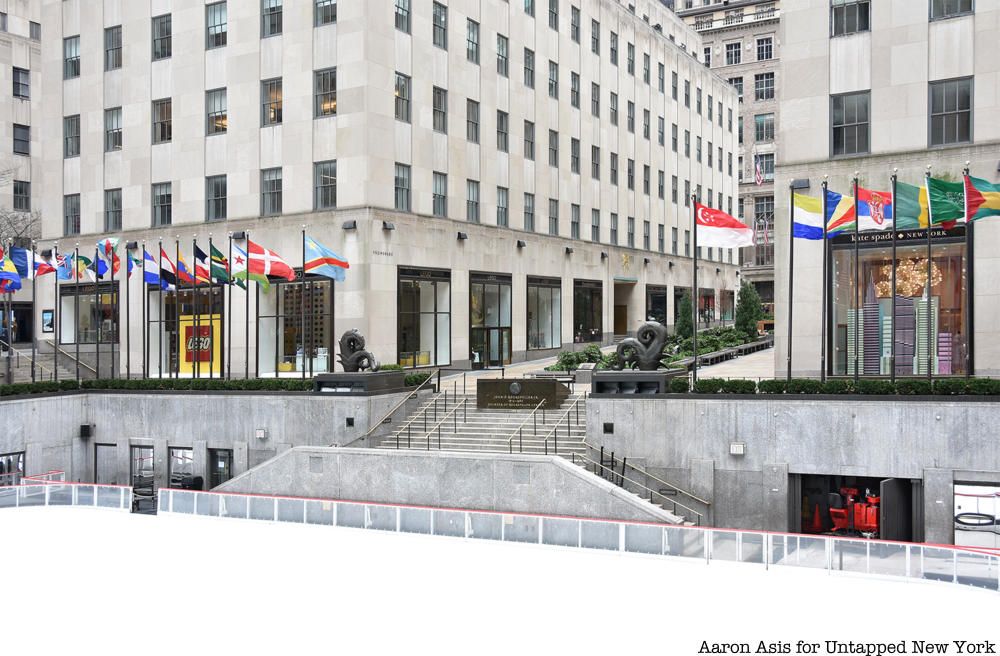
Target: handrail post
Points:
(602, 459)
(623, 475)
(520, 441)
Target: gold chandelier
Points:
(911, 278)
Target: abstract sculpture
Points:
(643, 351)
(353, 356)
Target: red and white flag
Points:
(716, 228)
(266, 262)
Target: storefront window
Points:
(544, 313)
(197, 317)
(656, 303)
(588, 311)
(489, 320)
(727, 304)
(706, 306)
(98, 320)
(296, 327)
(929, 322)
(11, 468)
(424, 311)
(180, 466)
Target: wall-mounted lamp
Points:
(604, 255)
(738, 274)
(350, 225)
(132, 245)
(646, 260)
(569, 250)
(260, 433)
(46, 253)
(462, 236)
(670, 265)
(800, 183)
(737, 448)
(718, 270)
(521, 243)
(388, 225)
(239, 236)
(998, 166)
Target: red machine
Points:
(850, 515)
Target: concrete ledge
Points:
(881, 398)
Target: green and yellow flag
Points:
(910, 206)
(946, 201)
(982, 198)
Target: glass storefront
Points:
(706, 307)
(98, 321)
(11, 468)
(424, 323)
(656, 303)
(296, 327)
(489, 320)
(588, 311)
(544, 313)
(186, 331)
(727, 304)
(928, 324)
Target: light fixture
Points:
(604, 255)
(646, 260)
(911, 278)
(132, 245)
(388, 225)
(569, 250)
(260, 433)
(737, 448)
(718, 270)
(462, 236)
(670, 265)
(800, 183)
(521, 243)
(239, 236)
(46, 253)
(350, 225)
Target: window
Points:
(595, 225)
(645, 179)
(270, 100)
(719, 158)
(554, 14)
(402, 187)
(162, 37)
(402, 97)
(687, 239)
(673, 85)
(22, 139)
(574, 155)
(440, 193)
(849, 122)
(112, 129)
(729, 165)
(162, 205)
(673, 189)
(595, 37)
(325, 185)
(270, 192)
(595, 99)
(708, 56)
(687, 197)
(574, 221)
(502, 193)
(574, 24)
(630, 173)
(765, 48)
(614, 108)
(950, 8)
(112, 48)
(22, 196)
(698, 101)
(595, 162)
(574, 89)
(729, 119)
(529, 140)
(472, 41)
(661, 128)
(544, 313)
(645, 67)
(162, 120)
(553, 216)
(215, 198)
(553, 79)
(614, 169)
(645, 123)
(687, 143)
(737, 83)
(767, 165)
(661, 185)
(951, 112)
(673, 241)
(112, 209)
(403, 15)
(740, 136)
(472, 121)
(71, 57)
(630, 116)
(35, 31)
(734, 53)
(614, 48)
(440, 29)
(216, 112)
(529, 7)
(673, 137)
(325, 92)
(22, 83)
(630, 234)
(325, 12)
(763, 127)
(503, 128)
(270, 17)
(709, 108)
(71, 214)
(215, 25)
(529, 212)
(529, 68)
(661, 76)
(424, 318)
(614, 229)
(848, 17)
(472, 201)
(687, 93)
(440, 99)
(763, 86)
(553, 148)
(630, 58)
(502, 56)
(645, 234)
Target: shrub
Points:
(738, 386)
(683, 324)
(772, 386)
(983, 386)
(679, 385)
(67, 385)
(709, 385)
(913, 386)
(390, 367)
(567, 361)
(838, 386)
(749, 310)
(949, 386)
(804, 386)
(875, 386)
(412, 380)
(591, 354)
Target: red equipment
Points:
(850, 515)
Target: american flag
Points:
(758, 170)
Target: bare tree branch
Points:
(20, 227)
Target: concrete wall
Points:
(686, 440)
(481, 481)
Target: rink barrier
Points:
(946, 563)
(39, 491)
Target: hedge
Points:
(841, 386)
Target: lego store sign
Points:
(200, 343)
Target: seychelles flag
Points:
(324, 262)
(839, 213)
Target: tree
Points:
(21, 228)
(683, 325)
(749, 310)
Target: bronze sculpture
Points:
(642, 352)
(353, 356)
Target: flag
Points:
(807, 217)
(716, 228)
(85, 266)
(982, 198)
(151, 277)
(839, 213)
(874, 210)
(241, 275)
(97, 266)
(946, 201)
(758, 170)
(324, 262)
(183, 270)
(202, 274)
(10, 279)
(266, 262)
(168, 273)
(133, 262)
(910, 207)
(64, 267)
(219, 266)
(23, 259)
(107, 247)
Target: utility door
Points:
(106, 464)
(895, 518)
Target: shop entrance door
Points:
(490, 347)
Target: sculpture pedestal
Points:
(632, 382)
(360, 382)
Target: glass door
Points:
(220, 466)
(489, 321)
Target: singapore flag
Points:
(716, 228)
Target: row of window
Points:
(763, 86)
(34, 29)
(734, 51)
(852, 16)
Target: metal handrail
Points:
(532, 416)
(437, 426)
(62, 351)
(658, 480)
(555, 428)
(674, 503)
(396, 407)
(22, 354)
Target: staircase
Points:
(20, 366)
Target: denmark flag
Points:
(716, 228)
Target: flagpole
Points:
(256, 331)
(892, 312)
(229, 314)
(115, 317)
(791, 273)
(100, 313)
(312, 319)
(211, 310)
(76, 311)
(826, 284)
(857, 277)
(34, 306)
(969, 303)
(927, 287)
(56, 313)
(128, 314)
(302, 304)
(145, 326)
(246, 325)
(177, 305)
(159, 338)
(694, 286)
(196, 316)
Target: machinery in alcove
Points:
(852, 515)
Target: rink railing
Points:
(963, 566)
(50, 490)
